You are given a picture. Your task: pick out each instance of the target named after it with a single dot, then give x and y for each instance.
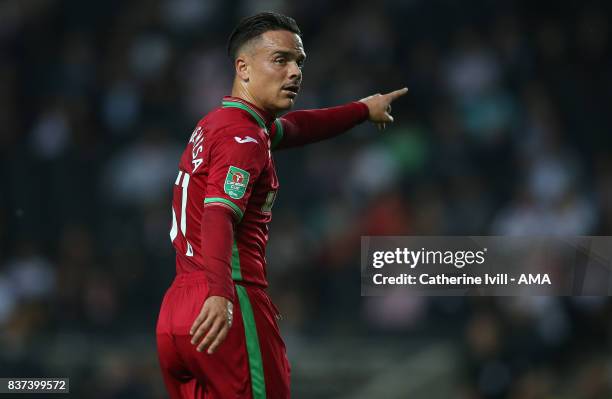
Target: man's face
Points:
(274, 69)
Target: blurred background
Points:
(505, 131)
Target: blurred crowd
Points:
(505, 131)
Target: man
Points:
(217, 335)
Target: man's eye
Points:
(280, 60)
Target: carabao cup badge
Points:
(236, 182)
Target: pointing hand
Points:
(379, 106)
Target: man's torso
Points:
(227, 162)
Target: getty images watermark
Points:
(479, 265)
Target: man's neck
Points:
(240, 92)
(266, 116)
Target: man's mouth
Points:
(292, 90)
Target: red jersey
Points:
(228, 162)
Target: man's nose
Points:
(294, 71)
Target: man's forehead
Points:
(281, 40)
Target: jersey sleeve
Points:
(276, 133)
(299, 128)
(237, 157)
(218, 235)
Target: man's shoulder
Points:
(233, 127)
(221, 120)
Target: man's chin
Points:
(285, 104)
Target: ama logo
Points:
(539, 279)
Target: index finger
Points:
(397, 93)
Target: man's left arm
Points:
(299, 128)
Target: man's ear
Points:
(242, 68)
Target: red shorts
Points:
(251, 363)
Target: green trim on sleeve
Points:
(258, 383)
(225, 201)
(234, 104)
(279, 133)
(236, 272)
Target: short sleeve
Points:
(237, 158)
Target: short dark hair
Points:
(255, 25)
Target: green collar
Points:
(236, 104)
